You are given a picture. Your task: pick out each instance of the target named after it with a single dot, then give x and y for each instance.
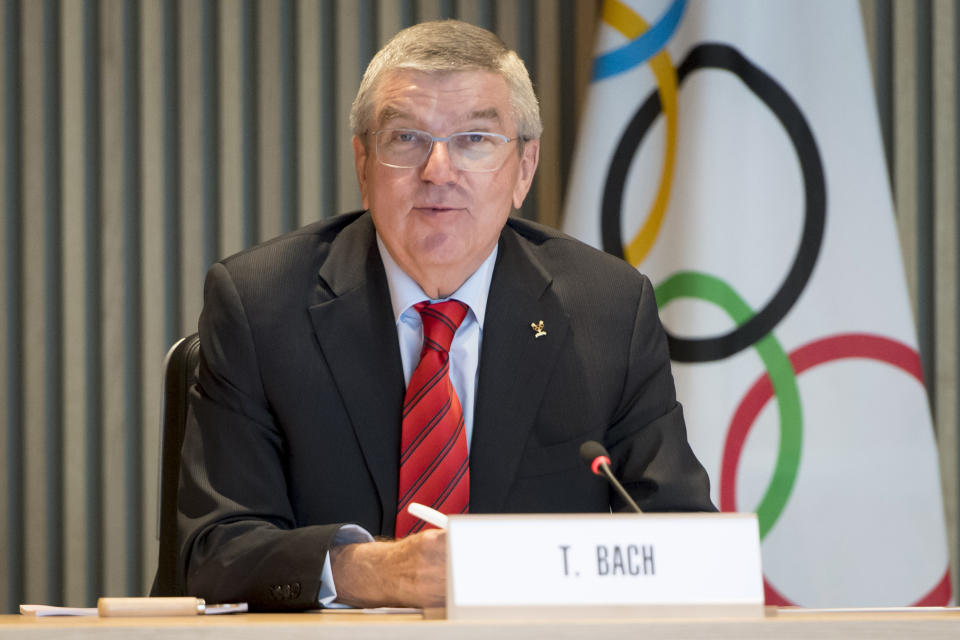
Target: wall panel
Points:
(192, 92)
(307, 112)
(76, 384)
(230, 126)
(7, 577)
(944, 204)
(153, 337)
(351, 55)
(37, 482)
(11, 501)
(112, 315)
(269, 115)
(93, 428)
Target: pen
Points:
(177, 606)
(427, 514)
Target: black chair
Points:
(179, 373)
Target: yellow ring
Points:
(625, 20)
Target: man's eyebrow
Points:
(391, 113)
(490, 113)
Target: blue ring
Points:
(642, 48)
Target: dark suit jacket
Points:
(295, 420)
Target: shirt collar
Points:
(405, 292)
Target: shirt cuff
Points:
(348, 534)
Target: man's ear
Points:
(360, 162)
(528, 166)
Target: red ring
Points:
(848, 345)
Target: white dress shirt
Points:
(465, 348)
(464, 359)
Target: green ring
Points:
(689, 284)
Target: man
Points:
(309, 407)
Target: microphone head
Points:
(593, 453)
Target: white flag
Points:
(731, 151)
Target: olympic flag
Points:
(731, 151)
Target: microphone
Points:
(597, 458)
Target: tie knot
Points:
(440, 322)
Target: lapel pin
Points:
(538, 329)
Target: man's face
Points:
(435, 218)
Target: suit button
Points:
(285, 591)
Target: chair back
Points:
(179, 373)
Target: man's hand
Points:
(405, 573)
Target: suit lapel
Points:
(356, 330)
(514, 368)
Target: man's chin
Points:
(440, 249)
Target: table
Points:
(916, 625)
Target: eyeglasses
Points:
(478, 151)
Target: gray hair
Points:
(446, 46)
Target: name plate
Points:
(604, 565)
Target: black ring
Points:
(721, 56)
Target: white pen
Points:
(163, 606)
(427, 514)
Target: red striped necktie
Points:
(434, 465)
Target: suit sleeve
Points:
(239, 535)
(648, 438)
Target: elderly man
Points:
(429, 349)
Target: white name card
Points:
(603, 565)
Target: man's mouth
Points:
(439, 208)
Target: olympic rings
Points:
(721, 56)
(838, 347)
(648, 45)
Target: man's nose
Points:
(438, 167)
